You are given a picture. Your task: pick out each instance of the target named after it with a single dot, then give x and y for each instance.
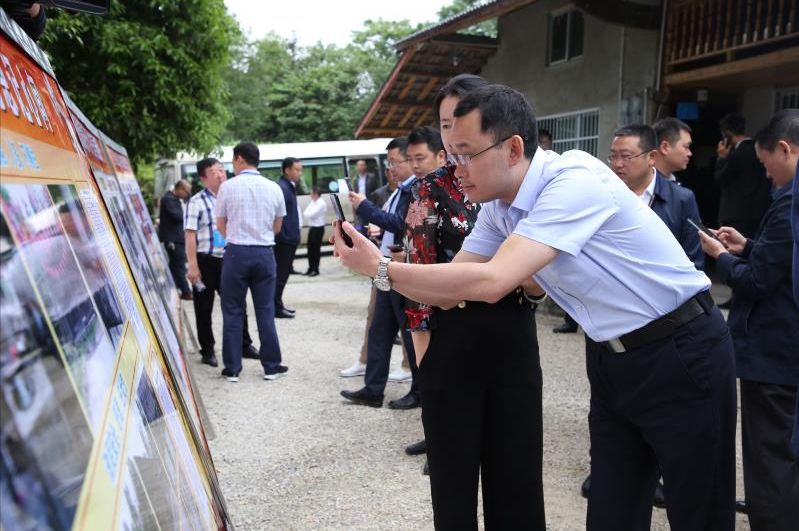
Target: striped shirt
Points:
(250, 203)
(200, 218)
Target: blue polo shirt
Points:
(619, 265)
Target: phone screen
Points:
(334, 200)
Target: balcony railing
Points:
(704, 29)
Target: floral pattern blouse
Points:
(439, 218)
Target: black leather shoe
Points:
(209, 359)
(585, 488)
(740, 507)
(417, 448)
(565, 329)
(408, 401)
(290, 310)
(363, 398)
(397, 340)
(251, 353)
(660, 498)
(283, 314)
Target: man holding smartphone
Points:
(389, 315)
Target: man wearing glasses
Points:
(632, 157)
(660, 359)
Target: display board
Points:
(99, 428)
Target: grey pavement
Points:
(292, 454)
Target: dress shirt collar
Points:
(650, 192)
(404, 185)
(249, 171)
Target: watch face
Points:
(383, 284)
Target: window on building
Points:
(787, 98)
(565, 36)
(573, 130)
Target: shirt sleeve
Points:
(569, 211)
(486, 236)
(193, 212)
(421, 225)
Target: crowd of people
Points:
(479, 222)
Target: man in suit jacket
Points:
(762, 322)
(287, 240)
(632, 158)
(364, 184)
(745, 191)
(170, 232)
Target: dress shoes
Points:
(250, 353)
(585, 488)
(284, 314)
(565, 328)
(363, 398)
(740, 507)
(660, 498)
(209, 359)
(417, 448)
(290, 310)
(408, 401)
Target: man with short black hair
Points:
(170, 232)
(744, 189)
(673, 146)
(544, 139)
(205, 248)
(763, 324)
(287, 240)
(249, 212)
(632, 157)
(660, 360)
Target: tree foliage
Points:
(279, 92)
(149, 74)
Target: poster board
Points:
(98, 424)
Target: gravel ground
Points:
(291, 454)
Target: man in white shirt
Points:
(205, 248)
(249, 212)
(660, 361)
(315, 213)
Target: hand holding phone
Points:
(698, 225)
(396, 248)
(340, 216)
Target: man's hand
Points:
(722, 149)
(734, 240)
(356, 199)
(362, 257)
(532, 289)
(193, 274)
(710, 246)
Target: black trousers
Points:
(211, 272)
(771, 470)
(284, 257)
(315, 235)
(484, 423)
(176, 253)
(389, 318)
(668, 406)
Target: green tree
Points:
(149, 74)
(486, 28)
(279, 92)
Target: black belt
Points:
(663, 326)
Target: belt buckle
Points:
(616, 345)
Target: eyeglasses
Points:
(613, 157)
(464, 159)
(395, 163)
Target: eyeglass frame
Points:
(452, 158)
(624, 160)
(390, 164)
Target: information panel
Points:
(99, 428)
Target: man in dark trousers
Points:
(170, 232)
(660, 362)
(762, 322)
(745, 191)
(288, 239)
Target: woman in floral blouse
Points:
(479, 373)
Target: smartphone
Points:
(340, 216)
(698, 225)
(396, 248)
